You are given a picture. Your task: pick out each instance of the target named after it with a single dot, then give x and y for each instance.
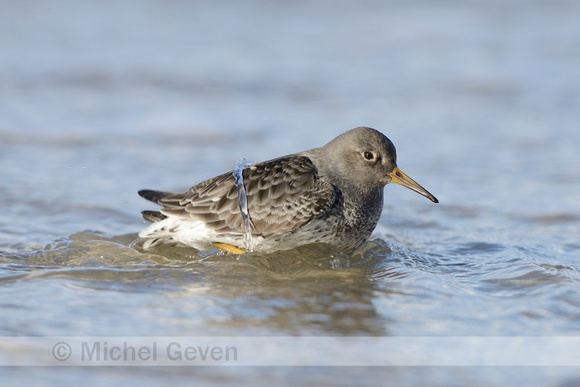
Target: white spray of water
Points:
(243, 202)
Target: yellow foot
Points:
(228, 248)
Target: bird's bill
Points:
(398, 177)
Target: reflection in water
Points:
(313, 290)
(310, 290)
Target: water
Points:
(481, 100)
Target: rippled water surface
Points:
(482, 100)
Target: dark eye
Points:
(368, 155)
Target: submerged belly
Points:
(334, 231)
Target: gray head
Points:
(364, 160)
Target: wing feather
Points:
(283, 194)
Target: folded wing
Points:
(283, 194)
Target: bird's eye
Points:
(368, 155)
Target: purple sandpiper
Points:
(332, 195)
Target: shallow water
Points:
(481, 99)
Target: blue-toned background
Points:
(101, 99)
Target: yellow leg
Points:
(228, 248)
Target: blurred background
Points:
(481, 99)
(100, 99)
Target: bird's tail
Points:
(153, 216)
(154, 196)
